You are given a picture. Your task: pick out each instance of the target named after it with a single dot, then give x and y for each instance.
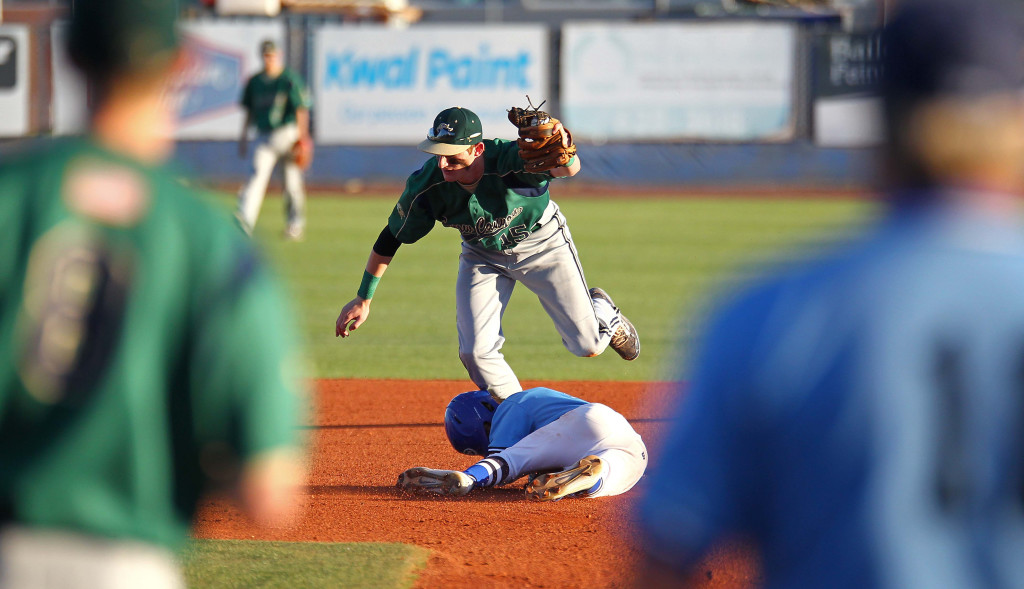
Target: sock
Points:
(489, 471)
(478, 473)
(607, 316)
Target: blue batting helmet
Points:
(467, 421)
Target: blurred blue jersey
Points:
(861, 417)
(523, 413)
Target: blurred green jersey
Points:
(272, 102)
(143, 347)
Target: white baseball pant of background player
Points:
(592, 429)
(546, 262)
(270, 148)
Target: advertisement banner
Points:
(679, 81)
(847, 107)
(382, 86)
(221, 57)
(14, 80)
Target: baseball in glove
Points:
(541, 146)
(302, 152)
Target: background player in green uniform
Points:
(511, 232)
(142, 346)
(277, 104)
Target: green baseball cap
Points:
(454, 130)
(115, 36)
(268, 47)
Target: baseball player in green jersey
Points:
(511, 232)
(277, 103)
(143, 349)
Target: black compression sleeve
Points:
(386, 244)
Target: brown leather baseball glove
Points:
(541, 145)
(302, 152)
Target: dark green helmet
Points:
(116, 36)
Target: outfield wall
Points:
(731, 167)
(697, 103)
(796, 166)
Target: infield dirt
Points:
(365, 432)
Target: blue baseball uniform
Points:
(542, 430)
(861, 416)
(521, 415)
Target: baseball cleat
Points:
(625, 340)
(450, 483)
(579, 479)
(294, 233)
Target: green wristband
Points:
(569, 163)
(368, 285)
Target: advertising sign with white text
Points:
(220, 59)
(679, 81)
(14, 80)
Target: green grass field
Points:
(242, 564)
(659, 258)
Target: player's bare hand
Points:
(559, 128)
(352, 316)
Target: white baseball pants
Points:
(43, 559)
(270, 148)
(546, 262)
(590, 429)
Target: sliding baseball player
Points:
(571, 448)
